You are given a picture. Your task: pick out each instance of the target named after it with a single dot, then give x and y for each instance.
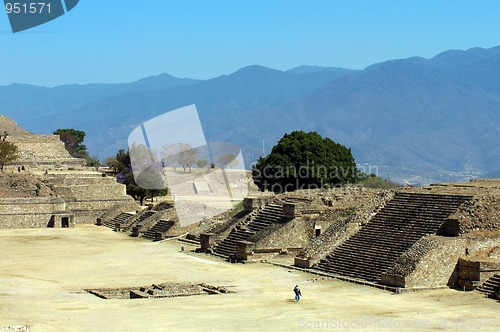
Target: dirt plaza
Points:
(44, 274)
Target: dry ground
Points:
(43, 273)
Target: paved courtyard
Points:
(43, 273)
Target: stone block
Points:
(206, 241)
(243, 249)
(251, 204)
(303, 262)
(289, 210)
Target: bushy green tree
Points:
(305, 161)
(8, 151)
(125, 175)
(201, 163)
(373, 181)
(73, 142)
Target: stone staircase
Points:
(271, 213)
(134, 222)
(491, 287)
(161, 227)
(119, 219)
(393, 230)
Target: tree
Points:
(169, 155)
(201, 163)
(187, 157)
(73, 142)
(114, 164)
(95, 163)
(133, 189)
(123, 158)
(144, 184)
(181, 154)
(305, 161)
(8, 151)
(141, 157)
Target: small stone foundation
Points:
(158, 291)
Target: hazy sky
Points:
(125, 40)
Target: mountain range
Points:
(419, 120)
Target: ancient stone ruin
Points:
(66, 194)
(39, 151)
(445, 235)
(158, 291)
(410, 238)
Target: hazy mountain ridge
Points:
(407, 117)
(25, 102)
(221, 102)
(431, 119)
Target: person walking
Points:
(297, 292)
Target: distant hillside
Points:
(410, 118)
(222, 102)
(417, 119)
(25, 103)
(311, 69)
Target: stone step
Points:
(490, 287)
(270, 214)
(396, 227)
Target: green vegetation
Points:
(73, 142)
(237, 209)
(8, 151)
(122, 167)
(37, 189)
(201, 163)
(373, 181)
(305, 161)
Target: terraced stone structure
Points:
(66, 194)
(407, 218)
(153, 222)
(404, 238)
(240, 238)
(418, 239)
(87, 194)
(39, 151)
(271, 213)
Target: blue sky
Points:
(114, 41)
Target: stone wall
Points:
(293, 236)
(473, 271)
(88, 190)
(178, 229)
(253, 203)
(321, 246)
(88, 194)
(294, 233)
(43, 151)
(81, 197)
(119, 208)
(87, 210)
(32, 212)
(479, 213)
(437, 266)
